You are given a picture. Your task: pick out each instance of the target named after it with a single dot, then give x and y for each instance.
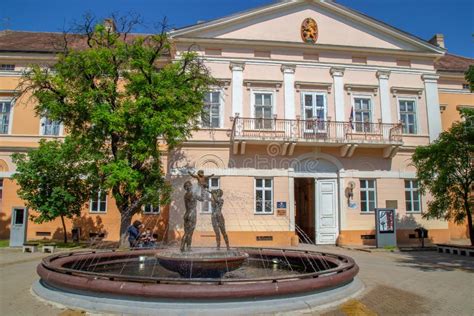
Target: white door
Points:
(327, 228)
(18, 226)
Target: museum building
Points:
(312, 127)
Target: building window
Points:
(263, 196)
(50, 127)
(213, 184)
(98, 202)
(408, 116)
(151, 209)
(263, 110)
(5, 112)
(314, 111)
(212, 106)
(367, 195)
(1, 189)
(412, 196)
(7, 67)
(362, 114)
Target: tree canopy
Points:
(445, 168)
(53, 180)
(125, 100)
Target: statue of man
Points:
(190, 202)
(218, 222)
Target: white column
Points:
(237, 87)
(291, 199)
(289, 88)
(338, 79)
(432, 106)
(385, 110)
(337, 75)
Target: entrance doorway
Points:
(305, 209)
(18, 226)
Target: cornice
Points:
(305, 46)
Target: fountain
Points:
(202, 275)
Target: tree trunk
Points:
(126, 221)
(64, 229)
(469, 221)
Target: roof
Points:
(44, 42)
(328, 4)
(37, 42)
(453, 63)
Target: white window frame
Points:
(371, 111)
(303, 112)
(10, 118)
(42, 124)
(155, 210)
(210, 187)
(415, 108)
(263, 189)
(99, 195)
(367, 190)
(253, 92)
(411, 190)
(221, 109)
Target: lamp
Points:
(350, 192)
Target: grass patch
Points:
(4, 243)
(391, 248)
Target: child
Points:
(202, 180)
(147, 238)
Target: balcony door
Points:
(363, 114)
(314, 111)
(263, 110)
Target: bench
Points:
(467, 251)
(30, 247)
(49, 248)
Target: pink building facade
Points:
(306, 137)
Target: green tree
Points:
(469, 75)
(446, 169)
(123, 99)
(53, 181)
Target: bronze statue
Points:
(218, 222)
(190, 202)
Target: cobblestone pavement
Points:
(397, 283)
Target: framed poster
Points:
(386, 220)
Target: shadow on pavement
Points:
(434, 261)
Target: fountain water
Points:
(204, 274)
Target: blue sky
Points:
(423, 18)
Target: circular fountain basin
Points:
(201, 263)
(266, 272)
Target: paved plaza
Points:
(396, 283)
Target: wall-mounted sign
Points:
(281, 212)
(281, 204)
(309, 31)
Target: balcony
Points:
(346, 135)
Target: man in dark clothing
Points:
(134, 234)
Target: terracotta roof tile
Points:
(453, 63)
(42, 42)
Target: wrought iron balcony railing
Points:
(315, 131)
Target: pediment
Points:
(282, 22)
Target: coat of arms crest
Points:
(309, 31)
